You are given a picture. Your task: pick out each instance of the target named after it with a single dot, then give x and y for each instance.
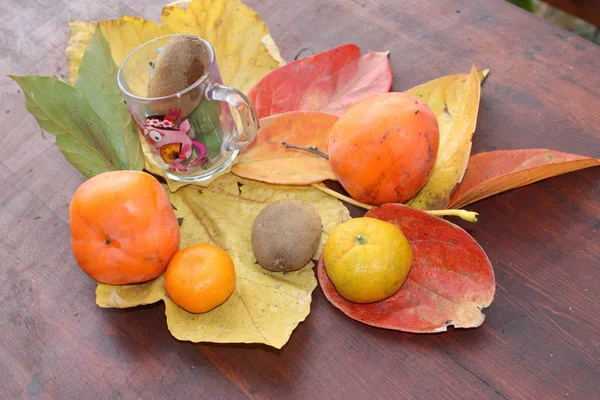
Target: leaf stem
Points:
(484, 74)
(310, 149)
(470, 216)
(340, 196)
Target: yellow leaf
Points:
(265, 306)
(244, 49)
(455, 101)
(80, 33)
(272, 48)
(124, 35)
(236, 33)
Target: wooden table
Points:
(541, 337)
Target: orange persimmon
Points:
(123, 228)
(383, 148)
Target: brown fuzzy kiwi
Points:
(286, 235)
(182, 61)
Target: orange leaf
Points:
(268, 160)
(329, 82)
(498, 171)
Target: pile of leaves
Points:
(451, 280)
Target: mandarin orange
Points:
(200, 278)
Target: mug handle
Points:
(241, 104)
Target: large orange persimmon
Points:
(383, 148)
(123, 229)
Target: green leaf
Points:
(524, 4)
(93, 127)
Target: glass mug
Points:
(191, 133)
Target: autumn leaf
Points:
(450, 281)
(328, 82)
(268, 160)
(265, 306)
(455, 101)
(243, 46)
(93, 127)
(80, 34)
(498, 171)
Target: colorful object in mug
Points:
(171, 143)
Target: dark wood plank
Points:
(541, 336)
(588, 10)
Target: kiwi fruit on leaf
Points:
(286, 235)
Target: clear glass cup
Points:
(191, 133)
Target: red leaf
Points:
(498, 171)
(451, 279)
(328, 82)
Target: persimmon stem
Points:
(470, 216)
(310, 149)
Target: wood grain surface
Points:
(541, 337)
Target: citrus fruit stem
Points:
(360, 239)
(469, 216)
